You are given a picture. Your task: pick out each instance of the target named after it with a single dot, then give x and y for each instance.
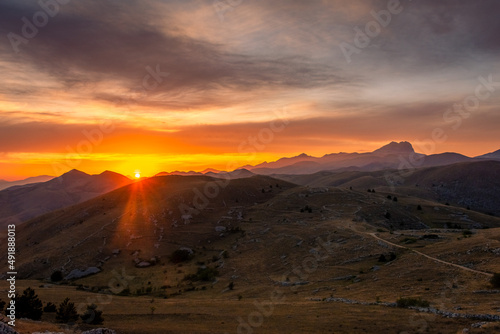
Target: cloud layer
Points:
(199, 77)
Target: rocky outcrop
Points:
(77, 273)
(5, 329)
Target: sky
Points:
(155, 85)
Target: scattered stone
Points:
(143, 264)
(293, 283)
(116, 251)
(344, 278)
(220, 229)
(100, 331)
(479, 324)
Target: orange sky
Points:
(166, 86)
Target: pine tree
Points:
(67, 312)
(29, 305)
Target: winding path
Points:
(374, 235)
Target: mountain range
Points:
(23, 202)
(25, 199)
(36, 179)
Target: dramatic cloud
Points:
(198, 77)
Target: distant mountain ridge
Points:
(389, 156)
(20, 203)
(30, 180)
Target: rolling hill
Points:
(20, 203)
(473, 184)
(330, 249)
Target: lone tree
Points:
(56, 276)
(92, 315)
(29, 305)
(495, 280)
(67, 312)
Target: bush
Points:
(56, 276)
(495, 280)
(50, 308)
(67, 312)
(203, 274)
(467, 234)
(2, 305)
(407, 302)
(231, 286)
(181, 255)
(419, 207)
(29, 305)
(92, 315)
(395, 199)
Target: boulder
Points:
(5, 329)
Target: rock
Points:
(479, 324)
(100, 331)
(143, 264)
(116, 251)
(375, 268)
(220, 229)
(77, 273)
(5, 329)
(187, 249)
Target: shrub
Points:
(29, 305)
(203, 274)
(389, 197)
(66, 312)
(231, 286)
(56, 276)
(50, 308)
(2, 305)
(181, 255)
(395, 199)
(382, 258)
(92, 315)
(417, 302)
(419, 207)
(495, 280)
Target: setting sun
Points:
(137, 175)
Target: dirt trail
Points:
(374, 235)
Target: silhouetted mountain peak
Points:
(395, 148)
